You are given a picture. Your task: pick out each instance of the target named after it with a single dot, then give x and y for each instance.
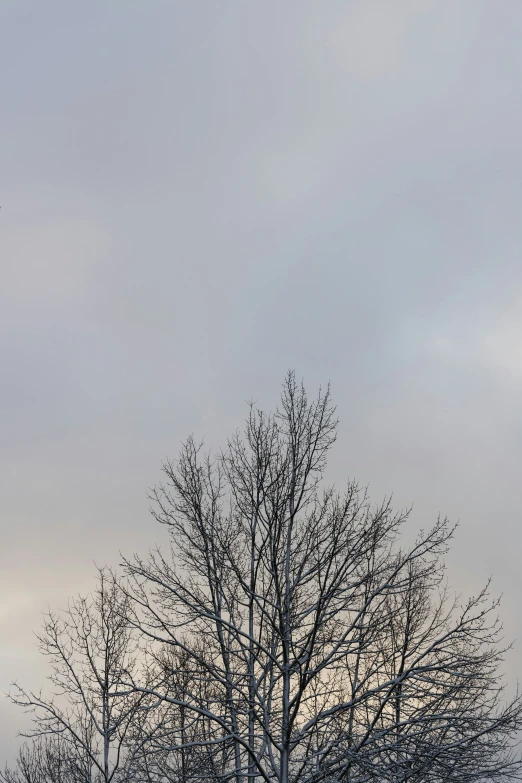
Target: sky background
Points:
(196, 196)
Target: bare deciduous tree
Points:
(91, 649)
(327, 652)
(45, 760)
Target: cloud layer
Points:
(198, 196)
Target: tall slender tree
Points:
(92, 650)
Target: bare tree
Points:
(176, 743)
(89, 716)
(44, 760)
(327, 652)
(286, 636)
(432, 699)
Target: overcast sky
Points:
(196, 196)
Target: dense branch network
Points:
(286, 635)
